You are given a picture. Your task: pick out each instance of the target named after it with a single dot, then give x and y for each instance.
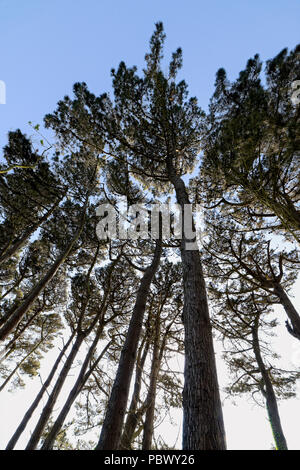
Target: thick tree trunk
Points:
(114, 418)
(134, 415)
(203, 427)
(293, 315)
(46, 413)
(14, 317)
(19, 242)
(38, 398)
(79, 384)
(270, 396)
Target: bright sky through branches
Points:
(46, 46)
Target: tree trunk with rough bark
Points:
(203, 426)
(114, 418)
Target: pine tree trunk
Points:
(203, 427)
(270, 396)
(14, 317)
(113, 422)
(83, 375)
(79, 384)
(46, 413)
(33, 407)
(150, 400)
(290, 310)
(134, 414)
(19, 242)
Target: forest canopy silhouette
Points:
(120, 313)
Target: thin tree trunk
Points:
(20, 363)
(38, 398)
(18, 243)
(203, 426)
(269, 394)
(158, 352)
(47, 411)
(14, 317)
(151, 395)
(134, 414)
(79, 384)
(293, 315)
(10, 346)
(114, 418)
(80, 336)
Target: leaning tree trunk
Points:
(19, 242)
(203, 427)
(270, 396)
(48, 408)
(80, 336)
(114, 418)
(10, 346)
(14, 317)
(150, 399)
(10, 376)
(79, 384)
(158, 352)
(293, 315)
(38, 398)
(134, 414)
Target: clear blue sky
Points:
(47, 45)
